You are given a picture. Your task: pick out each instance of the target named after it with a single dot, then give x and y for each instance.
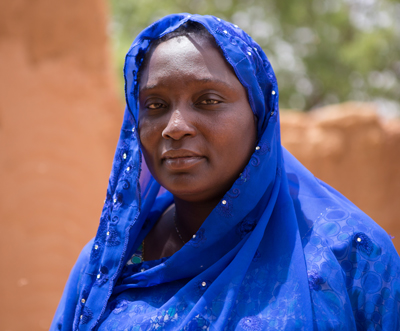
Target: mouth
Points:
(181, 159)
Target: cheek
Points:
(240, 129)
(148, 145)
(235, 140)
(148, 134)
(246, 127)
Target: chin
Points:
(200, 194)
(188, 194)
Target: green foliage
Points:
(322, 51)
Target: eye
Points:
(210, 99)
(155, 105)
(209, 102)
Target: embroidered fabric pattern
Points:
(333, 252)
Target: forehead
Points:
(185, 56)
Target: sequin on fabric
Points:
(197, 239)
(112, 238)
(102, 276)
(362, 242)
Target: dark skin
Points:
(197, 131)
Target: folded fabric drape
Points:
(281, 251)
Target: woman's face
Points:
(196, 126)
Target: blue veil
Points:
(281, 251)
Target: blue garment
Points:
(281, 251)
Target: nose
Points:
(178, 127)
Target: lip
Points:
(181, 159)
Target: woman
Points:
(240, 236)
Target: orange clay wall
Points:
(59, 124)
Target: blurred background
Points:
(61, 106)
(322, 51)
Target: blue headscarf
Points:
(281, 251)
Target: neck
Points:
(191, 215)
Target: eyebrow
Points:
(201, 81)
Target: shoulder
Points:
(66, 308)
(350, 235)
(352, 259)
(84, 255)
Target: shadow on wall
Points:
(59, 124)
